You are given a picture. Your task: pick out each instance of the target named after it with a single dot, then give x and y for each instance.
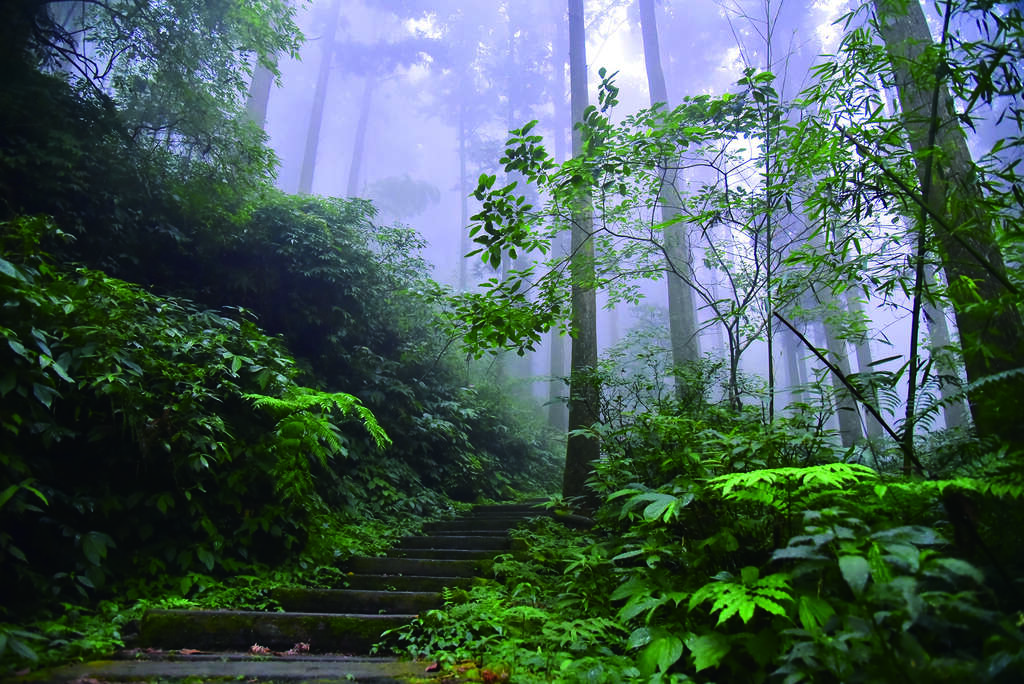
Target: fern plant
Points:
(304, 419)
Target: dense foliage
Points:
(729, 550)
(734, 541)
(202, 378)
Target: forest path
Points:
(338, 625)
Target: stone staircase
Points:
(340, 625)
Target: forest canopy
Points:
(775, 324)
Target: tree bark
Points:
(862, 347)
(359, 144)
(316, 114)
(991, 335)
(581, 450)
(259, 94)
(953, 410)
(558, 416)
(846, 408)
(681, 309)
(464, 247)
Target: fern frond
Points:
(767, 485)
(304, 400)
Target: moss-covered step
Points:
(451, 554)
(481, 542)
(356, 601)
(402, 582)
(434, 567)
(233, 668)
(209, 630)
(485, 509)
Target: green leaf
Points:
(814, 612)
(662, 653)
(708, 650)
(639, 637)
(94, 546)
(962, 568)
(22, 649)
(855, 571)
(206, 558)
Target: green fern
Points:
(743, 598)
(769, 485)
(309, 407)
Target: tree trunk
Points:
(953, 410)
(464, 247)
(681, 309)
(558, 415)
(359, 145)
(846, 408)
(259, 94)
(796, 366)
(316, 114)
(581, 450)
(991, 335)
(862, 346)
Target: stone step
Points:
(455, 542)
(212, 630)
(471, 525)
(355, 601)
(418, 583)
(228, 667)
(458, 531)
(435, 567)
(490, 509)
(449, 554)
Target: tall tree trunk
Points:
(581, 450)
(796, 365)
(862, 346)
(991, 337)
(316, 114)
(558, 414)
(953, 410)
(359, 145)
(681, 308)
(259, 94)
(846, 408)
(464, 247)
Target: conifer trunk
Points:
(681, 308)
(581, 450)
(316, 114)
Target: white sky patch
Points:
(732, 63)
(425, 26)
(416, 73)
(828, 32)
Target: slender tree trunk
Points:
(862, 346)
(681, 308)
(796, 366)
(846, 408)
(316, 114)
(464, 247)
(558, 413)
(581, 450)
(359, 145)
(953, 410)
(259, 94)
(991, 334)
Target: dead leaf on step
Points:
(189, 651)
